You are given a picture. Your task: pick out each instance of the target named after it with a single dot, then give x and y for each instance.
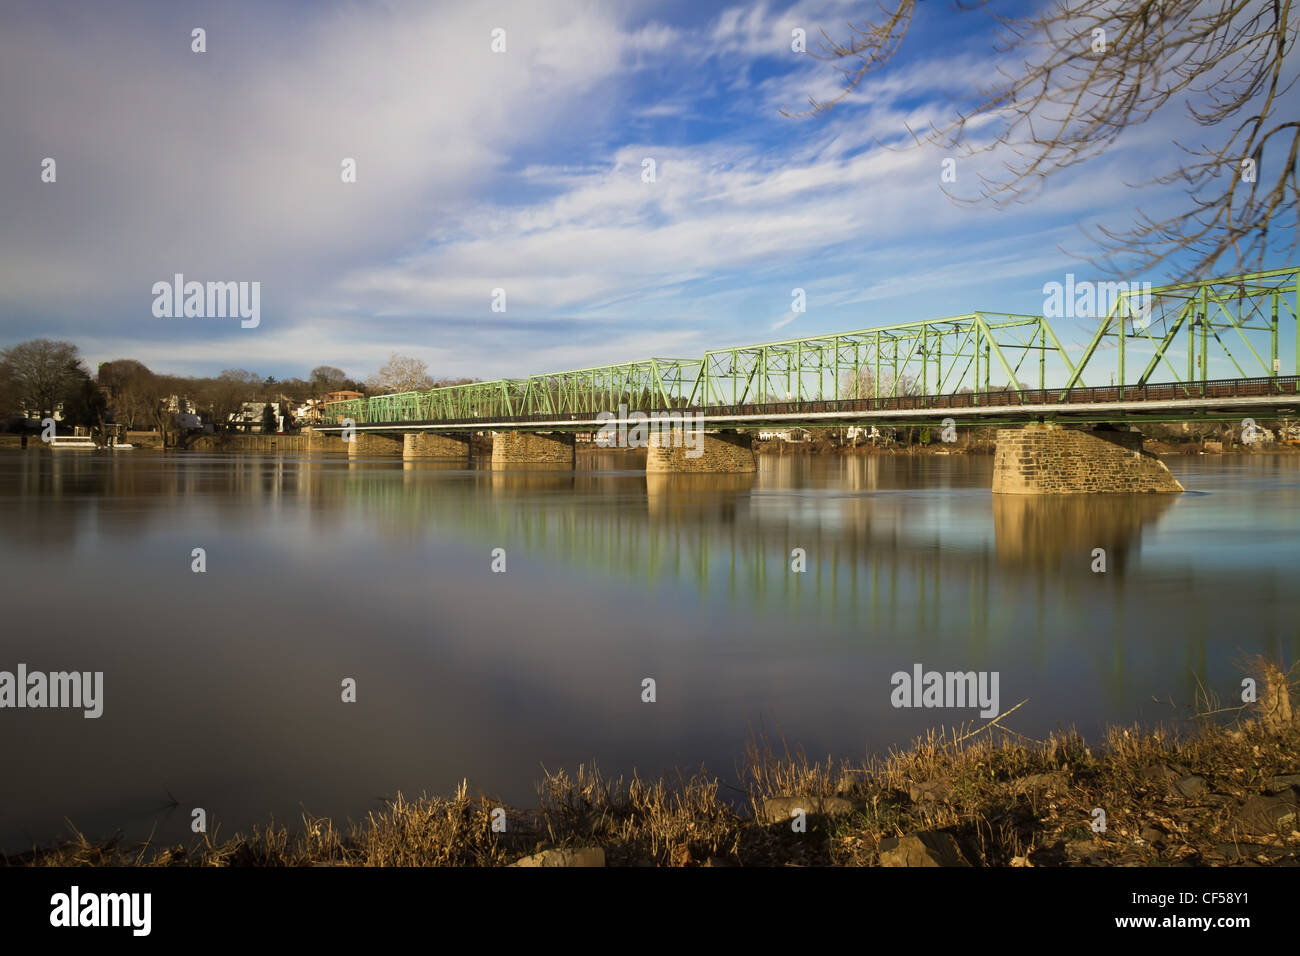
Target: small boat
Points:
(85, 443)
(73, 443)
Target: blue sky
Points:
(519, 170)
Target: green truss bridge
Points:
(992, 366)
(1218, 349)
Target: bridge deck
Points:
(1227, 399)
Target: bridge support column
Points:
(550, 450)
(435, 445)
(322, 442)
(374, 445)
(1052, 460)
(698, 451)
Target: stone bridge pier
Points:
(318, 441)
(409, 446)
(435, 445)
(549, 450)
(374, 445)
(1053, 460)
(673, 451)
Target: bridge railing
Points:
(991, 399)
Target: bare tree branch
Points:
(1091, 69)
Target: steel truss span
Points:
(1155, 347)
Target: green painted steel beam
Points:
(1257, 312)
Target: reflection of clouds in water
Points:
(223, 687)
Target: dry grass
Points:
(1005, 799)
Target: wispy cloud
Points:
(524, 171)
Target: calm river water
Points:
(222, 688)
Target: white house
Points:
(785, 434)
(250, 416)
(872, 434)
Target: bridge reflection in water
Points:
(908, 555)
(691, 527)
(1059, 532)
(913, 550)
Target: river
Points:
(222, 689)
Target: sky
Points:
(523, 170)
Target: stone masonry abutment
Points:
(550, 450)
(375, 445)
(439, 445)
(671, 452)
(1053, 460)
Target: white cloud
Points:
(226, 164)
(478, 170)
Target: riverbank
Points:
(1224, 794)
(304, 443)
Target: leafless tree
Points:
(401, 374)
(445, 382)
(327, 378)
(863, 384)
(228, 393)
(40, 374)
(1089, 69)
(134, 391)
(859, 384)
